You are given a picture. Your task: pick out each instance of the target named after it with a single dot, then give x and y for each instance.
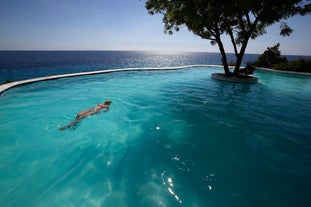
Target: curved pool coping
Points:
(284, 71)
(7, 86)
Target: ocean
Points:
(21, 65)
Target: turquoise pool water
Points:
(171, 138)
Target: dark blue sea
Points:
(20, 65)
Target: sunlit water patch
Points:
(170, 138)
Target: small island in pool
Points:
(245, 75)
(237, 79)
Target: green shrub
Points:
(270, 57)
(300, 65)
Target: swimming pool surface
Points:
(170, 138)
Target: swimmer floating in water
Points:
(88, 112)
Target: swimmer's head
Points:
(108, 102)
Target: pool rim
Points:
(7, 86)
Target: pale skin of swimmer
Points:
(88, 112)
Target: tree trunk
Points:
(240, 57)
(238, 64)
(223, 57)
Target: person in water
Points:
(88, 112)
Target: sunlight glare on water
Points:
(170, 138)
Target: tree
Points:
(241, 20)
(270, 57)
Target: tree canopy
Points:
(241, 20)
(270, 57)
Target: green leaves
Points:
(285, 29)
(244, 19)
(270, 57)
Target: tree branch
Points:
(229, 30)
(248, 19)
(241, 22)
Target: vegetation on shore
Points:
(300, 65)
(271, 58)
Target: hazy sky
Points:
(117, 25)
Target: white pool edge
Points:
(7, 86)
(284, 71)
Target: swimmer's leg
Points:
(72, 124)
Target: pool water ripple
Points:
(170, 138)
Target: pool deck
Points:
(7, 86)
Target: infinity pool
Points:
(170, 138)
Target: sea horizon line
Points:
(142, 51)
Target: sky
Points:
(119, 25)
